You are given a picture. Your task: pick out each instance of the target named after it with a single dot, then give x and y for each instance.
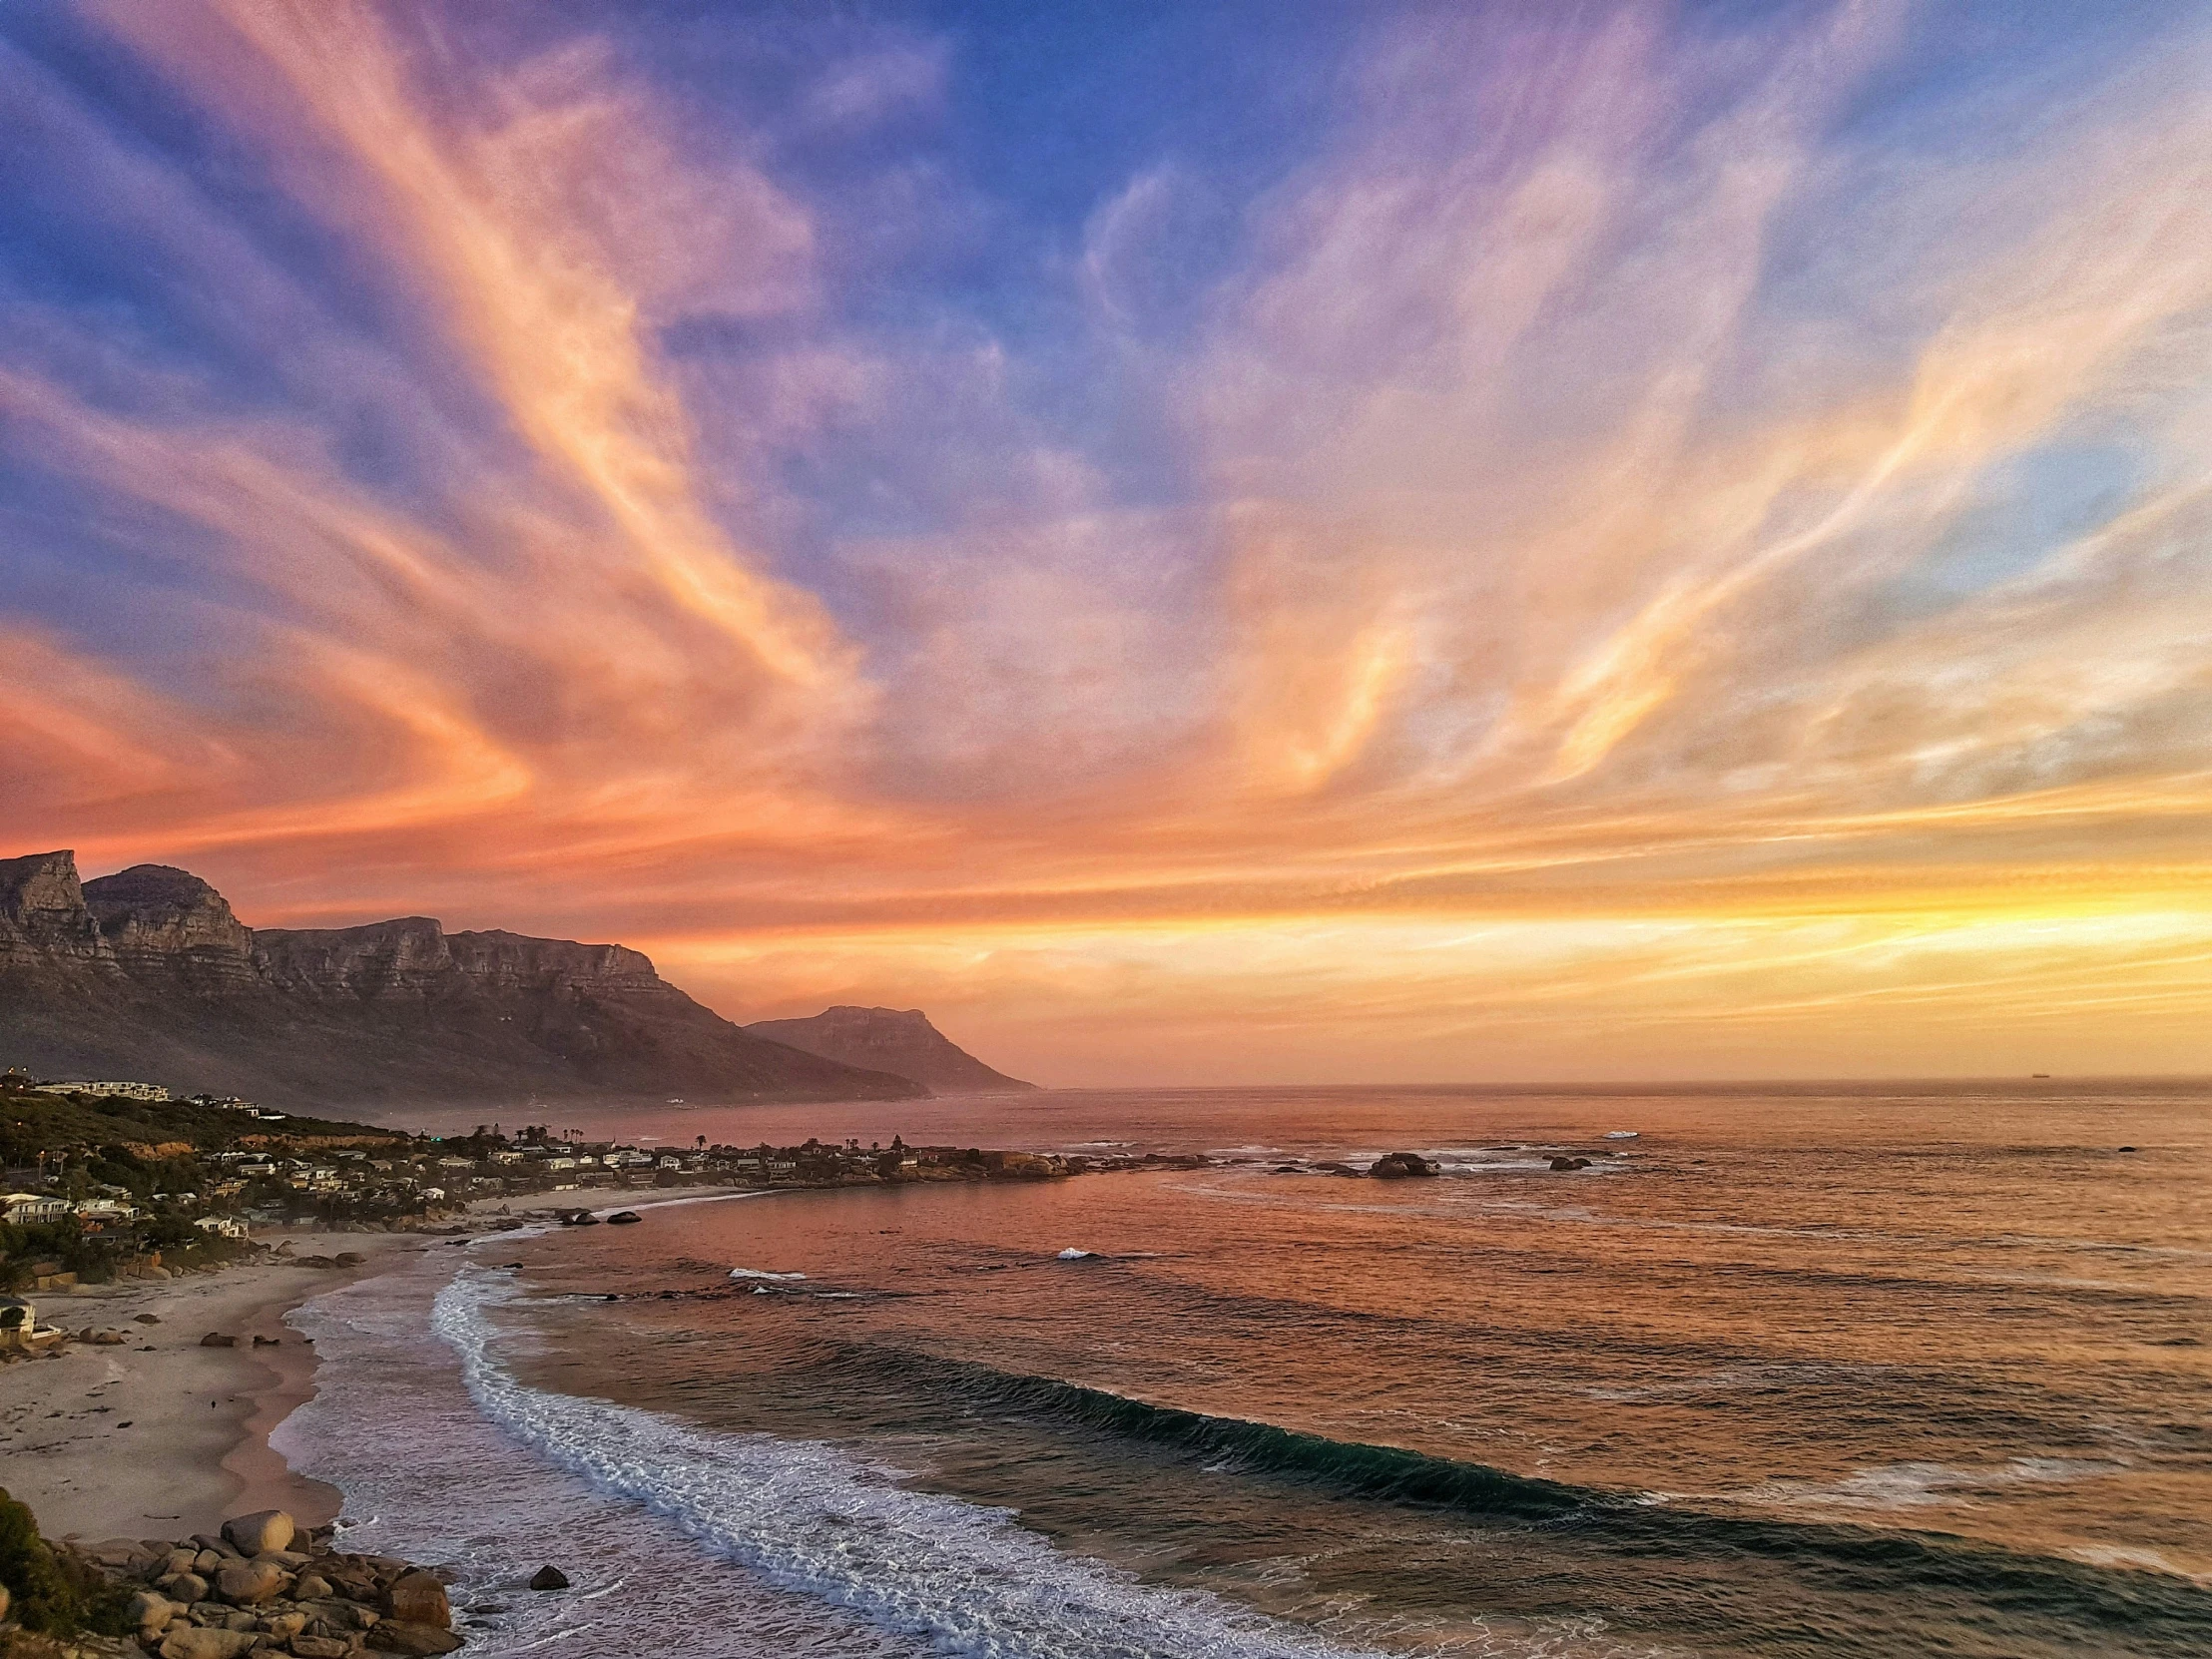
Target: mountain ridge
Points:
(147, 973)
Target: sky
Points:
(1220, 543)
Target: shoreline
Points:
(194, 1423)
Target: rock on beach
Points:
(265, 1597)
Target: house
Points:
(103, 1210)
(222, 1226)
(127, 1090)
(29, 1209)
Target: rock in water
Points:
(262, 1530)
(419, 1598)
(549, 1578)
(1399, 1166)
(215, 1339)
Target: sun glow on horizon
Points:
(1622, 545)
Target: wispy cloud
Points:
(1659, 540)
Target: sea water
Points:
(1840, 1372)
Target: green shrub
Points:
(42, 1593)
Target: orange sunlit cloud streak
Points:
(1604, 546)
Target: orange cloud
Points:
(1573, 660)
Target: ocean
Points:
(1848, 1371)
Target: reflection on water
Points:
(1867, 1374)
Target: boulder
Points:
(549, 1578)
(107, 1338)
(199, 1642)
(186, 1587)
(285, 1626)
(250, 1583)
(312, 1588)
(1400, 1166)
(419, 1598)
(1570, 1163)
(263, 1530)
(349, 1258)
(179, 1560)
(403, 1636)
(215, 1339)
(320, 1647)
(149, 1613)
(5, 1598)
(146, 1318)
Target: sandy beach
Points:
(162, 1437)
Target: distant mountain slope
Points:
(894, 1040)
(148, 975)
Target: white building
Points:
(29, 1209)
(128, 1090)
(222, 1226)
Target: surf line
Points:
(815, 1519)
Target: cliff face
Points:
(891, 1039)
(168, 923)
(43, 918)
(147, 973)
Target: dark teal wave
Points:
(2122, 1610)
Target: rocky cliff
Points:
(166, 923)
(147, 973)
(899, 1040)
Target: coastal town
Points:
(108, 1178)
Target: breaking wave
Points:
(813, 1518)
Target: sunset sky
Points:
(1198, 542)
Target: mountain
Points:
(148, 975)
(890, 1039)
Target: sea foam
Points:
(813, 1518)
